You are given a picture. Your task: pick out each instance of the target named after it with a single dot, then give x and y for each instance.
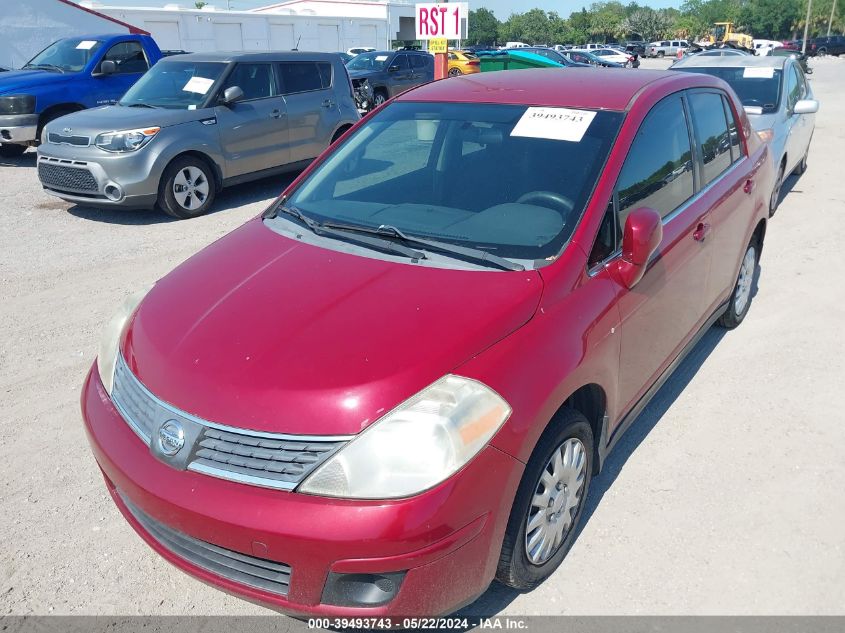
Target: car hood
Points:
(110, 118)
(263, 332)
(14, 81)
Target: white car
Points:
(764, 47)
(778, 100)
(613, 55)
(360, 49)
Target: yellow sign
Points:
(438, 45)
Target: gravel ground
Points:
(726, 497)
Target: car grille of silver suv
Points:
(269, 460)
(66, 178)
(247, 570)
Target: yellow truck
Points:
(723, 33)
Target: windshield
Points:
(369, 61)
(484, 176)
(71, 55)
(174, 84)
(755, 86)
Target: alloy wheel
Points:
(746, 277)
(557, 498)
(190, 188)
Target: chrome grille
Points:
(263, 459)
(61, 177)
(247, 570)
(63, 139)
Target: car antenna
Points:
(298, 39)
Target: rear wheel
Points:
(821, 52)
(11, 150)
(549, 502)
(740, 300)
(455, 72)
(187, 188)
(660, 53)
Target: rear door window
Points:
(658, 170)
(711, 134)
(298, 77)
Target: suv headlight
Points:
(17, 104)
(125, 141)
(110, 343)
(419, 444)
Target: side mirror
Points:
(393, 68)
(806, 106)
(232, 95)
(641, 238)
(107, 67)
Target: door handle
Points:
(277, 114)
(748, 187)
(328, 103)
(701, 232)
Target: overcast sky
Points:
(502, 8)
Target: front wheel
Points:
(187, 188)
(740, 300)
(774, 201)
(379, 98)
(549, 503)
(11, 150)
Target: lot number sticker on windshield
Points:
(381, 58)
(557, 124)
(86, 45)
(758, 73)
(200, 85)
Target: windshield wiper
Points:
(331, 231)
(139, 105)
(474, 254)
(46, 67)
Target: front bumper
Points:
(18, 128)
(447, 539)
(85, 175)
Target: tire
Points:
(455, 72)
(379, 97)
(516, 568)
(802, 166)
(821, 52)
(49, 119)
(740, 300)
(187, 188)
(339, 133)
(774, 201)
(660, 54)
(11, 150)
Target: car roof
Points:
(733, 61)
(607, 89)
(235, 56)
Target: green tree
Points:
(606, 20)
(770, 19)
(200, 4)
(648, 24)
(483, 27)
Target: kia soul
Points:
(392, 390)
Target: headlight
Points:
(416, 446)
(17, 104)
(126, 141)
(110, 343)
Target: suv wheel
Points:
(187, 188)
(740, 299)
(821, 52)
(660, 53)
(549, 502)
(379, 98)
(11, 150)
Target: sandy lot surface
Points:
(726, 497)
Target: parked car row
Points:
(391, 390)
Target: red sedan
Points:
(391, 389)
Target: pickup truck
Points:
(71, 74)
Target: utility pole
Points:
(806, 26)
(830, 20)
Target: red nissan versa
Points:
(392, 388)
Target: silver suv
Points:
(195, 124)
(666, 48)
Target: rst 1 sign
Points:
(441, 20)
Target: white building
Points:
(29, 26)
(315, 25)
